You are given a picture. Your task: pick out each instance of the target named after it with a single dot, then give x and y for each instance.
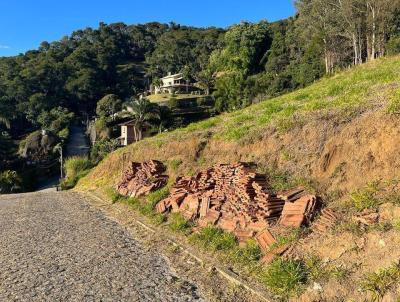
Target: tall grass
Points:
(75, 167)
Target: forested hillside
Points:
(48, 88)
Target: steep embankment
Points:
(335, 135)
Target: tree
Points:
(140, 111)
(108, 106)
(4, 120)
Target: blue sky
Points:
(26, 23)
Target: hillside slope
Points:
(336, 135)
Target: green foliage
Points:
(214, 239)
(108, 106)
(76, 168)
(292, 236)
(102, 148)
(154, 197)
(393, 45)
(366, 198)
(183, 48)
(10, 182)
(174, 164)
(319, 271)
(394, 105)
(173, 103)
(102, 129)
(177, 223)
(249, 254)
(113, 195)
(285, 278)
(380, 282)
(56, 119)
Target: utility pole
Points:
(59, 149)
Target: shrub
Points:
(285, 277)
(76, 167)
(10, 182)
(102, 148)
(173, 103)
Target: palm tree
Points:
(141, 111)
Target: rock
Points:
(317, 287)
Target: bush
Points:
(75, 167)
(10, 182)
(102, 148)
(173, 103)
(285, 277)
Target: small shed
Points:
(127, 133)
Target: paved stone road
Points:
(55, 247)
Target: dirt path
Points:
(56, 247)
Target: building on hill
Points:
(175, 83)
(128, 132)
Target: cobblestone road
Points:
(56, 247)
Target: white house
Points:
(173, 83)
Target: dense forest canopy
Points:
(248, 62)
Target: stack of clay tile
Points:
(232, 197)
(299, 208)
(142, 178)
(326, 221)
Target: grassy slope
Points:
(334, 136)
(288, 133)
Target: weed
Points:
(350, 226)
(291, 237)
(158, 219)
(249, 253)
(214, 239)
(366, 198)
(76, 167)
(177, 223)
(394, 105)
(396, 225)
(236, 133)
(286, 156)
(113, 195)
(380, 282)
(156, 196)
(132, 202)
(174, 164)
(382, 227)
(285, 278)
(319, 271)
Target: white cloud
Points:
(4, 46)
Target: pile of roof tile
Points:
(326, 221)
(233, 197)
(367, 217)
(299, 208)
(142, 178)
